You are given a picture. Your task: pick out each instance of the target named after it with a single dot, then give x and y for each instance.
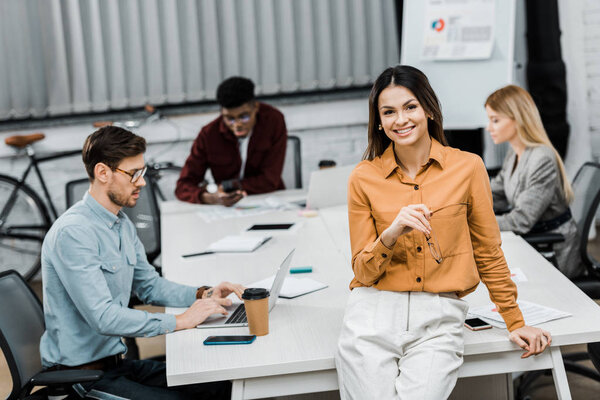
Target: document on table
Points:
(292, 287)
(533, 313)
(244, 208)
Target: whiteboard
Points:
(462, 86)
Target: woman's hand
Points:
(413, 216)
(532, 340)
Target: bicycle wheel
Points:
(24, 222)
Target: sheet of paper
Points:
(458, 30)
(292, 287)
(244, 208)
(533, 313)
(517, 275)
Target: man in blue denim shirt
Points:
(92, 260)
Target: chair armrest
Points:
(543, 238)
(69, 376)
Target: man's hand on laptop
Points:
(199, 311)
(223, 290)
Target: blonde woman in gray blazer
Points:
(532, 183)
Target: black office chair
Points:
(586, 187)
(21, 328)
(292, 166)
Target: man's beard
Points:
(121, 200)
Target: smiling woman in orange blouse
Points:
(423, 233)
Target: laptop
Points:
(237, 312)
(328, 187)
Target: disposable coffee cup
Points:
(256, 302)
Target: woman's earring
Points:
(431, 118)
(379, 127)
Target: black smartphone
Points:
(476, 324)
(229, 339)
(231, 185)
(269, 227)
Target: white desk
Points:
(297, 355)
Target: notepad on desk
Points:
(292, 287)
(238, 244)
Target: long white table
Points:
(298, 354)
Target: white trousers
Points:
(400, 345)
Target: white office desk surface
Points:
(304, 331)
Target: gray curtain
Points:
(60, 57)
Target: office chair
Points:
(146, 218)
(292, 166)
(586, 187)
(21, 328)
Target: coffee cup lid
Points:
(255, 294)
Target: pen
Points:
(197, 254)
(300, 270)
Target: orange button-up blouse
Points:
(465, 228)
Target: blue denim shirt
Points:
(91, 262)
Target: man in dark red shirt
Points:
(244, 149)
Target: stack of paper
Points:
(292, 287)
(533, 313)
(238, 243)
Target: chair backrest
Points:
(292, 166)
(74, 190)
(146, 218)
(586, 187)
(165, 182)
(21, 327)
(145, 215)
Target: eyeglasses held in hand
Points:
(135, 175)
(432, 242)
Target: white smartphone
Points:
(476, 324)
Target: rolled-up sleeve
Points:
(78, 266)
(485, 237)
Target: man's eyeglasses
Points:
(244, 118)
(135, 175)
(432, 242)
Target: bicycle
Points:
(25, 218)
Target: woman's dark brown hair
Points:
(110, 145)
(415, 81)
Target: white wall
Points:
(332, 130)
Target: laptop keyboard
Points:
(238, 316)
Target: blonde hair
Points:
(517, 104)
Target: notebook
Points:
(237, 312)
(238, 243)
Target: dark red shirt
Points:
(216, 147)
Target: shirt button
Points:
(383, 255)
(416, 187)
(418, 279)
(418, 249)
(114, 268)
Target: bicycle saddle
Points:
(21, 141)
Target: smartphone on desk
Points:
(229, 339)
(270, 227)
(476, 324)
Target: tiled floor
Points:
(581, 388)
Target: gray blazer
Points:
(533, 192)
